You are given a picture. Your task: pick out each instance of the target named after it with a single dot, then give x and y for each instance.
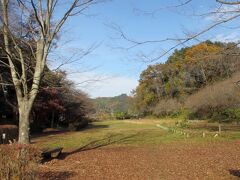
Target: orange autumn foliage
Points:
(202, 51)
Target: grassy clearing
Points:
(133, 132)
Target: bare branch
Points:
(228, 3)
(178, 41)
(152, 13)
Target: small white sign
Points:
(3, 136)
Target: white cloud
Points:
(224, 12)
(99, 85)
(231, 37)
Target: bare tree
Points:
(36, 31)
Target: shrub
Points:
(167, 107)
(11, 132)
(18, 162)
(212, 101)
(181, 114)
(121, 115)
(183, 123)
(231, 114)
(102, 116)
(77, 125)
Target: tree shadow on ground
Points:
(53, 175)
(59, 132)
(234, 172)
(94, 126)
(49, 133)
(106, 141)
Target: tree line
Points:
(58, 103)
(187, 78)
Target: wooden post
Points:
(219, 128)
(204, 135)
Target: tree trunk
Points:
(24, 122)
(53, 117)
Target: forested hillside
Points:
(118, 106)
(190, 76)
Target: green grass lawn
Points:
(134, 133)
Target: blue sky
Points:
(110, 70)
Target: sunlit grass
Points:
(130, 133)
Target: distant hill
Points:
(119, 103)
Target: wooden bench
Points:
(52, 153)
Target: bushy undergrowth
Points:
(231, 114)
(220, 101)
(167, 107)
(77, 125)
(121, 115)
(18, 162)
(182, 124)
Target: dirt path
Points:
(166, 161)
